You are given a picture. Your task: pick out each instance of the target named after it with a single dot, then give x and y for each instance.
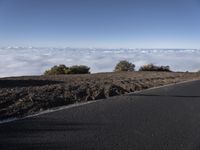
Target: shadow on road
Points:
(32, 126)
(29, 131)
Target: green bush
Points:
(56, 70)
(62, 69)
(151, 67)
(124, 65)
(79, 70)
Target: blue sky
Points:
(100, 23)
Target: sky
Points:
(100, 23)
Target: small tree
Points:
(124, 65)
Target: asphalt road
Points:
(167, 118)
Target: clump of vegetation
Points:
(62, 69)
(124, 65)
(152, 67)
(79, 69)
(56, 70)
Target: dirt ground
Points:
(21, 96)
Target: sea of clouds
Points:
(18, 61)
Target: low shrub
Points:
(151, 67)
(56, 70)
(62, 69)
(79, 70)
(124, 65)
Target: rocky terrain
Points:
(21, 96)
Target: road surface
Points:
(166, 118)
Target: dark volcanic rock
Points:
(114, 90)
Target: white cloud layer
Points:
(17, 61)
